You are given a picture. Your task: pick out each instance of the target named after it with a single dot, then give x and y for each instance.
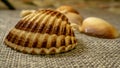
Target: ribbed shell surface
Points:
(42, 32)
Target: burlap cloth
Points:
(91, 52)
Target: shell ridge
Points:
(36, 29)
(39, 51)
(12, 39)
(44, 40)
(34, 23)
(24, 24)
(56, 26)
(49, 25)
(47, 19)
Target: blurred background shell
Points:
(98, 27)
(74, 17)
(42, 32)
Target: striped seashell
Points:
(42, 32)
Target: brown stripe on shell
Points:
(13, 35)
(72, 33)
(59, 15)
(26, 43)
(68, 28)
(67, 40)
(24, 22)
(36, 26)
(59, 40)
(51, 41)
(63, 41)
(44, 41)
(18, 24)
(41, 24)
(49, 12)
(40, 37)
(55, 30)
(35, 40)
(30, 38)
(53, 50)
(35, 43)
(14, 39)
(9, 36)
(42, 10)
(64, 18)
(47, 24)
(62, 28)
(20, 41)
(48, 28)
(43, 51)
(70, 42)
(26, 36)
(55, 13)
(64, 31)
(40, 29)
(28, 28)
(75, 40)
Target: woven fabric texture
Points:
(91, 52)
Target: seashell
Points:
(75, 20)
(98, 27)
(42, 32)
(73, 16)
(66, 8)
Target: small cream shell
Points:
(98, 27)
(66, 8)
(26, 12)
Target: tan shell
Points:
(74, 19)
(73, 16)
(98, 27)
(66, 8)
(42, 32)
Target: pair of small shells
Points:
(42, 32)
(91, 25)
